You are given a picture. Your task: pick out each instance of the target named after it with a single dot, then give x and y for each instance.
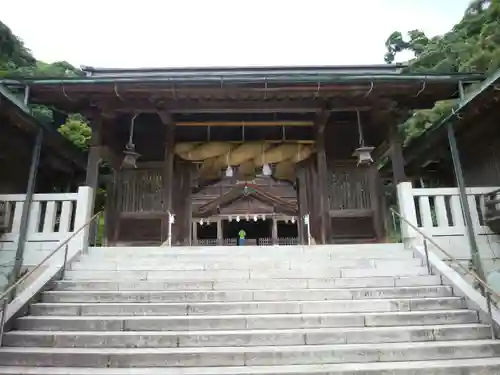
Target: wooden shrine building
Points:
(428, 159)
(61, 166)
(283, 153)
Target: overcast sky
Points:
(146, 33)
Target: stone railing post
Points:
(407, 209)
(84, 211)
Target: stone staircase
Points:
(363, 309)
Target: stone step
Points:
(285, 252)
(310, 336)
(247, 295)
(256, 321)
(242, 258)
(252, 250)
(288, 307)
(267, 254)
(127, 264)
(357, 282)
(244, 274)
(481, 366)
(248, 356)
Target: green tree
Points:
(13, 53)
(77, 131)
(16, 61)
(472, 45)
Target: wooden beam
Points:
(244, 123)
(235, 106)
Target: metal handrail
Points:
(487, 290)
(5, 296)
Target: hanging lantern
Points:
(293, 220)
(238, 219)
(255, 218)
(364, 155)
(266, 170)
(131, 156)
(363, 152)
(229, 169)
(230, 218)
(247, 218)
(201, 221)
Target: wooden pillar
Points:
(94, 157)
(397, 159)
(109, 207)
(219, 232)
(188, 207)
(324, 202)
(275, 231)
(194, 225)
(376, 200)
(311, 182)
(302, 206)
(93, 163)
(168, 172)
(113, 195)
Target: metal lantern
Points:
(266, 170)
(364, 155)
(131, 156)
(363, 152)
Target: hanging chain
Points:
(360, 130)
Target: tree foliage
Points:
(472, 45)
(13, 53)
(17, 61)
(77, 131)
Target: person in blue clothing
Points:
(242, 234)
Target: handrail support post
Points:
(63, 270)
(427, 263)
(5, 303)
(492, 321)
